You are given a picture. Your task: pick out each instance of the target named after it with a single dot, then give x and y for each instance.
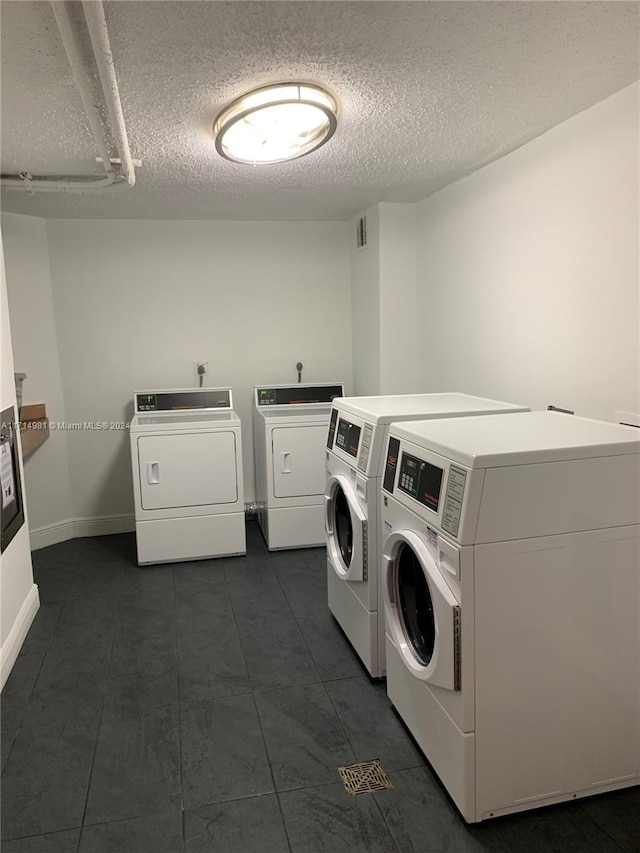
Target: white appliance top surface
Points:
(302, 412)
(522, 438)
(386, 409)
(185, 420)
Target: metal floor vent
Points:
(364, 777)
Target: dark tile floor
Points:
(205, 707)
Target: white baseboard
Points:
(12, 645)
(74, 528)
(103, 525)
(51, 534)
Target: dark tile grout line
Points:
(579, 803)
(273, 778)
(20, 727)
(326, 692)
(264, 741)
(182, 809)
(33, 687)
(108, 662)
(95, 747)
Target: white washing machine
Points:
(357, 443)
(511, 577)
(186, 453)
(289, 431)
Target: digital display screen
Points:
(146, 403)
(297, 394)
(266, 396)
(348, 437)
(421, 480)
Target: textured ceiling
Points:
(428, 92)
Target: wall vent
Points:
(361, 235)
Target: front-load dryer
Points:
(289, 432)
(186, 453)
(511, 583)
(355, 457)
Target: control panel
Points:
(295, 395)
(424, 482)
(421, 480)
(348, 437)
(180, 401)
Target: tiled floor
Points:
(205, 708)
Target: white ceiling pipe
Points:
(80, 78)
(24, 181)
(99, 35)
(67, 185)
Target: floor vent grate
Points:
(364, 777)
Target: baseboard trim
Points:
(74, 528)
(103, 525)
(51, 534)
(12, 645)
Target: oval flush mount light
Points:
(275, 123)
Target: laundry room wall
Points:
(365, 304)
(35, 351)
(18, 594)
(401, 335)
(383, 294)
(138, 303)
(528, 270)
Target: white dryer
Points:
(289, 431)
(511, 578)
(186, 453)
(356, 447)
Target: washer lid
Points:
(311, 414)
(523, 438)
(182, 421)
(387, 409)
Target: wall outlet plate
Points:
(197, 364)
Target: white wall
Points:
(383, 296)
(137, 303)
(35, 352)
(18, 594)
(365, 305)
(528, 270)
(399, 342)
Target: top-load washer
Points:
(356, 447)
(511, 578)
(289, 430)
(186, 454)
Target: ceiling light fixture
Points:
(275, 123)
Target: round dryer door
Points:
(346, 529)
(422, 614)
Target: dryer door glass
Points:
(342, 526)
(415, 604)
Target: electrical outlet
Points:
(198, 365)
